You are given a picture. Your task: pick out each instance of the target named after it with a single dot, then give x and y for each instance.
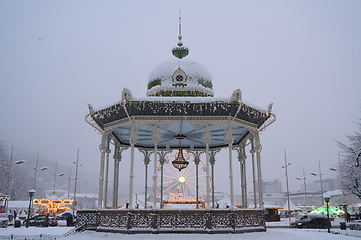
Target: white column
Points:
(212, 161)
(229, 140)
(102, 148)
(116, 176)
(107, 151)
(162, 155)
(254, 173)
(259, 170)
(241, 159)
(117, 158)
(146, 163)
(196, 162)
(146, 185)
(161, 161)
(155, 139)
(207, 141)
(244, 176)
(133, 141)
(116, 184)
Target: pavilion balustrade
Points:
(172, 221)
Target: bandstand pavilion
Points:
(181, 114)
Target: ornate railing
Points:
(30, 237)
(173, 221)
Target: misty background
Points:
(57, 56)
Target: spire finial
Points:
(180, 51)
(180, 26)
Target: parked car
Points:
(64, 216)
(39, 221)
(355, 225)
(311, 221)
(3, 220)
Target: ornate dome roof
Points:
(180, 77)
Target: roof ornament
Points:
(269, 108)
(180, 30)
(180, 51)
(126, 95)
(236, 95)
(91, 110)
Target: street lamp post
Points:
(56, 164)
(60, 174)
(69, 178)
(35, 168)
(288, 192)
(31, 194)
(304, 183)
(320, 174)
(345, 211)
(327, 200)
(76, 180)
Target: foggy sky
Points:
(304, 56)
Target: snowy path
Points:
(34, 231)
(271, 234)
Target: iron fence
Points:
(173, 221)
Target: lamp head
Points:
(31, 192)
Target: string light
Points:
(52, 206)
(183, 108)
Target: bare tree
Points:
(349, 168)
(17, 179)
(14, 181)
(4, 169)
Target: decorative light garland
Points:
(172, 107)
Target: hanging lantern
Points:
(180, 163)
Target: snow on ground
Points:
(57, 231)
(270, 234)
(275, 231)
(285, 222)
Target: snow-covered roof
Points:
(180, 77)
(180, 100)
(293, 207)
(192, 69)
(333, 193)
(87, 195)
(18, 204)
(269, 205)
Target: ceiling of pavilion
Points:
(191, 135)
